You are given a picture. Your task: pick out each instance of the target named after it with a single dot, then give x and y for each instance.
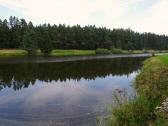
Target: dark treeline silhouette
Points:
(21, 75)
(17, 33)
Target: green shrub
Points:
(131, 112)
(102, 51)
(116, 51)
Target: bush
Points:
(132, 113)
(102, 51)
(135, 111)
(116, 51)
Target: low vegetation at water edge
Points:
(152, 88)
(72, 52)
(59, 52)
(16, 52)
(13, 52)
(102, 51)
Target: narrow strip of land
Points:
(152, 89)
(42, 59)
(62, 53)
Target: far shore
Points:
(47, 59)
(70, 53)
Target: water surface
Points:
(68, 93)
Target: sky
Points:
(139, 15)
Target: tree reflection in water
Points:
(21, 75)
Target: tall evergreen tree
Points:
(30, 42)
(44, 41)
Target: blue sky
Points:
(6, 12)
(139, 15)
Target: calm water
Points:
(69, 93)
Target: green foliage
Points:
(30, 42)
(134, 112)
(102, 51)
(116, 51)
(6, 53)
(12, 34)
(153, 77)
(44, 41)
(161, 120)
(14, 52)
(164, 58)
(152, 88)
(72, 52)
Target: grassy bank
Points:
(120, 51)
(152, 88)
(58, 52)
(72, 52)
(17, 52)
(10, 52)
(140, 51)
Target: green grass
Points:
(14, 52)
(134, 112)
(143, 51)
(17, 52)
(151, 85)
(164, 58)
(117, 51)
(59, 52)
(72, 52)
(102, 51)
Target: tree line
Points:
(17, 33)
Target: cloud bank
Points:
(139, 15)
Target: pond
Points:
(71, 93)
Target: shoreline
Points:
(51, 59)
(152, 90)
(75, 52)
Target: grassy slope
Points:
(153, 82)
(143, 51)
(72, 52)
(58, 52)
(17, 52)
(164, 59)
(153, 71)
(10, 52)
(152, 88)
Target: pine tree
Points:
(30, 42)
(44, 40)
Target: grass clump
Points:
(10, 52)
(133, 112)
(116, 51)
(102, 51)
(17, 52)
(72, 52)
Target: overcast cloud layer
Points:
(139, 15)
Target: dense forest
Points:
(17, 33)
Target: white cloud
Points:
(155, 19)
(66, 11)
(110, 13)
